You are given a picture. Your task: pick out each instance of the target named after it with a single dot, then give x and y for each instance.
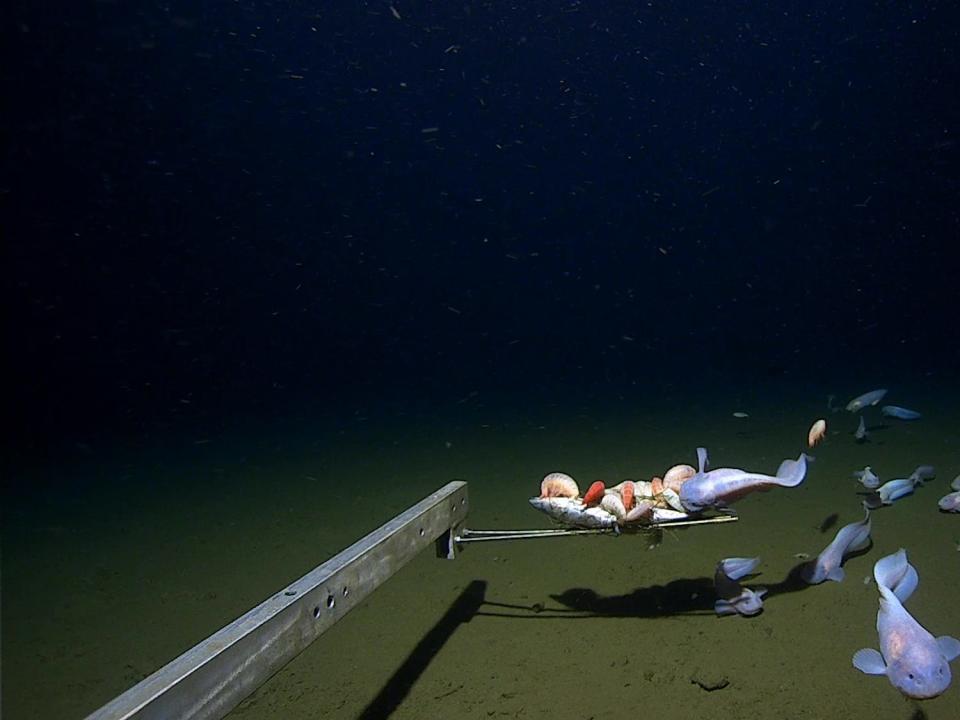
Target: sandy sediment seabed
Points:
(107, 582)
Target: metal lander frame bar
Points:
(210, 679)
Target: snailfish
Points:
(950, 502)
(720, 487)
(895, 489)
(900, 413)
(868, 398)
(922, 474)
(732, 597)
(916, 663)
(867, 477)
(850, 538)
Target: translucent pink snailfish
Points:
(850, 538)
(950, 502)
(867, 477)
(916, 663)
(866, 400)
(732, 597)
(721, 487)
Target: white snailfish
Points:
(850, 538)
(900, 413)
(868, 398)
(916, 663)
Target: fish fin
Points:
(837, 574)
(702, 460)
(869, 661)
(949, 646)
(791, 472)
(738, 568)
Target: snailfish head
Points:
(921, 680)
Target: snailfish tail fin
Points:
(791, 472)
(738, 568)
(896, 574)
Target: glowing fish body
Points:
(950, 502)
(923, 473)
(720, 487)
(895, 489)
(732, 597)
(900, 413)
(916, 663)
(865, 400)
(748, 602)
(868, 478)
(850, 538)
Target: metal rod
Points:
(469, 536)
(716, 520)
(210, 679)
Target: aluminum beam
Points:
(211, 678)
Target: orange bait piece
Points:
(628, 493)
(594, 495)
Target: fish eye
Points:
(910, 675)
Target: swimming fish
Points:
(720, 487)
(922, 473)
(900, 413)
(868, 398)
(850, 538)
(732, 597)
(748, 602)
(867, 477)
(950, 502)
(861, 433)
(894, 490)
(916, 663)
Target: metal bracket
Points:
(211, 678)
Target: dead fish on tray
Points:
(629, 503)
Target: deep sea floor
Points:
(115, 560)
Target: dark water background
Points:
(274, 271)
